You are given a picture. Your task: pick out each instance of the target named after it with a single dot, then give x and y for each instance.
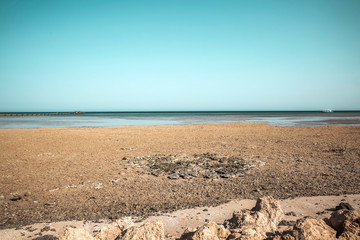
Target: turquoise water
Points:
(110, 119)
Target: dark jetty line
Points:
(41, 113)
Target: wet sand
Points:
(49, 175)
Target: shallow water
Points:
(110, 119)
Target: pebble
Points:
(291, 214)
(174, 176)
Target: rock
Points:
(312, 229)
(261, 163)
(272, 209)
(211, 175)
(209, 231)
(344, 206)
(111, 231)
(193, 173)
(351, 230)
(15, 197)
(338, 218)
(147, 231)
(346, 223)
(291, 214)
(227, 175)
(287, 223)
(155, 173)
(174, 176)
(322, 212)
(76, 234)
(254, 224)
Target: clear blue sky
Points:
(134, 55)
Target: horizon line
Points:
(175, 111)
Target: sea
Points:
(112, 119)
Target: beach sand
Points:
(175, 223)
(60, 174)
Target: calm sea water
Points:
(109, 119)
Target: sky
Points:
(179, 55)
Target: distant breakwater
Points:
(41, 113)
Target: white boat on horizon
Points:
(328, 110)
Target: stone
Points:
(193, 173)
(111, 231)
(338, 218)
(272, 209)
(209, 231)
(261, 163)
(155, 173)
(15, 197)
(174, 176)
(76, 234)
(255, 223)
(147, 231)
(287, 223)
(211, 175)
(351, 230)
(313, 229)
(291, 214)
(227, 175)
(344, 206)
(346, 223)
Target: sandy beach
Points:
(61, 174)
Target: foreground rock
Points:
(262, 222)
(254, 224)
(259, 223)
(210, 231)
(147, 231)
(122, 229)
(346, 223)
(247, 224)
(76, 234)
(343, 224)
(310, 229)
(113, 230)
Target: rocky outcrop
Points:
(246, 224)
(255, 223)
(147, 231)
(313, 229)
(122, 229)
(209, 231)
(76, 234)
(343, 225)
(259, 223)
(113, 230)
